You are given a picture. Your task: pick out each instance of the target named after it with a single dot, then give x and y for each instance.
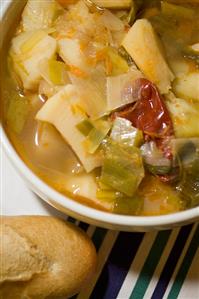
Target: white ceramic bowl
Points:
(9, 11)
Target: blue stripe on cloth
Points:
(84, 226)
(117, 265)
(171, 262)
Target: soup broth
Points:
(101, 101)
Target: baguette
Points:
(43, 257)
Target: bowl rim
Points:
(80, 208)
(86, 211)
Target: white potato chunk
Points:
(187, 87)
(144, 47)
(185, 116)
(27, 51)
(70, 51)
(60, 110)
(85, 185)
(39, 14)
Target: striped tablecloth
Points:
(130, 265)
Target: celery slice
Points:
(124, 132)
(122, 168)
(96, 135)
(85, 126)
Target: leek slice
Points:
(119, 89)
(17, 112)
(34, 39)
(122, 203)
(122, 168)
(96, 135)
(85, 126)
(154, 159)
(115, 64)
(113, 4)
(176, 11)
(123, 132)
(57, 70)
(92, 91)
(189, 186)
(54, 72)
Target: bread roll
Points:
(43, 257)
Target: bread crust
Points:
(43, 257)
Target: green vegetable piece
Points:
(158, 170)
(106, 194)
(96, 135)
(123, 132)
(17, 112)
(177, 11)
(116, 65)
(124, 54)
(132, 14)
(85, 127)
(122, 168)
(129, 205)
(189, 186)
(56, 71)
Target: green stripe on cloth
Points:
(186, 263)
(150, 265)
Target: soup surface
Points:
(101, 101)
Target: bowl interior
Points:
(10, 11)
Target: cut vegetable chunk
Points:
(143, 45)
(119, 89)
(187, 87)
(122, 168)
(92, 91)
(27, 51)
(70, 51)
(96, 135)
(59, 111)
(39, 14)
(117, 4)
(54, 72)
(124, 133)
(185, 116)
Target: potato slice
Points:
(62, 111)
(70, 51)
(185, 116)
(187, 87)
(144, 47)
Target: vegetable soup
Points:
(101, 101)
